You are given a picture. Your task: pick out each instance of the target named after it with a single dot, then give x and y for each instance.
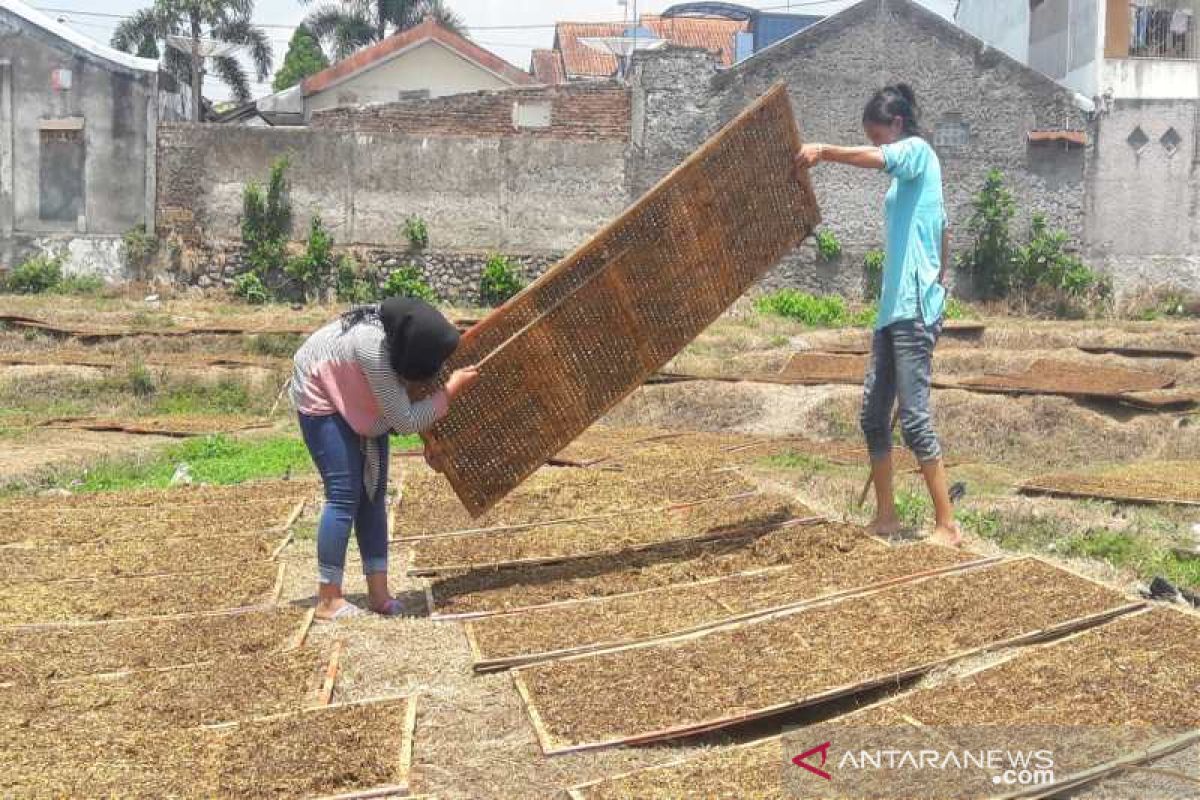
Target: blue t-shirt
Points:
(915, 218)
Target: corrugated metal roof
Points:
(715, 35)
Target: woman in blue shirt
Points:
(911, 301)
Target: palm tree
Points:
(224, 20)
(350, 25)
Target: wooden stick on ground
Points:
(331, 673)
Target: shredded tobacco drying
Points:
(494, 590)
(660, 612)
(1126, 675)
(763, 663)
(30, 655)
(576, 539)
(1148, 481)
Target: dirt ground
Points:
(473, 736)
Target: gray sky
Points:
(510, 28)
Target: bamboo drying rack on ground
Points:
(577, 341)
(552, 745)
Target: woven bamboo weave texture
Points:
(561, 353)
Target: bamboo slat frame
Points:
(1031, 488)
(734, 533)
(1076, 780)
(133, 428)
(550, 746)
(329, 682)
(480, 662)
(589, 273)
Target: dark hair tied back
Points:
(894, 102)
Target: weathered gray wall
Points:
(116, 105)
(513, 194)
(1143, 215)
(830, 71)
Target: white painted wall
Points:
(1151, 79)
(428, 66)
(1004, 24)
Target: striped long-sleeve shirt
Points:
(348, 372)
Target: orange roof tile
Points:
(429, 30)
(1069, 137)
(715, 35)
(547, 67)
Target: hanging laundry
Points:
(1181, 21)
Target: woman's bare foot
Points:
(885, 527)
(948, 535)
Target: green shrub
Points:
(828, 245)
(312, 268)
(80, 285)
(275, 345)
(827, 311)
(500, 281)
(407, 282)
(417, 232)
(350, 286)
(957, 309)
(267, 221)
(990, 258)
(140, 381)
(873, 270)
(38, 275)
(249, 287)
(137, 247)
(1045, 262)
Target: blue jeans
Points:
(901, 364)
(337, 451)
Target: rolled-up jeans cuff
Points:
(373, 566)
(328, 574)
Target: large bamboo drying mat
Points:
(826, 550)
(428, 506)
(569, 347)
(505, 640)
(1051, 376)
(721, 517)
(61, 653)
(88, 358)
(313, 752)
(818, 368)
(1101, 677)
(1140, 351)
(1176, 482)
(768, 665)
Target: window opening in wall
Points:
(1138, 139)
(531, 115)
(951, 132)
(1171, 141)
(61, 157)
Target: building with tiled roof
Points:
(422, 62)
(579, 61)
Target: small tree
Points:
(311, 268)
(499, 280)
(267, 221)
(304, 57)
(991, 257)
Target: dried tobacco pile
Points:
(1152, 481)
(120, 598)
(762, 664)
(709, 519)
(43, 654)
(1122, 677)
(659, 612)
(494, 590)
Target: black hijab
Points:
(419, 338)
